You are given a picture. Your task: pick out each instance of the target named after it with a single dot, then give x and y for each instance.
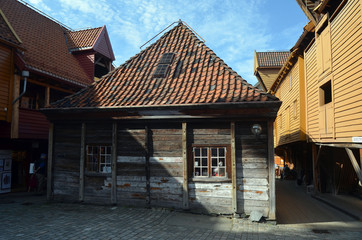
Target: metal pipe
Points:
(25, 74)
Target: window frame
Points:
(102, 167)
(210, 176)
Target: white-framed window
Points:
(210, 161)
(98, 158)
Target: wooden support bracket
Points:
(354, 162)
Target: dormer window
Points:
(167, 58)
(163, 66)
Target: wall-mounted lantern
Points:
(256, 130)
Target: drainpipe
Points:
(24, 74)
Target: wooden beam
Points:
(315, 156)
(271, 167)
(233, 168)
(354, 162)
(47, 96)
(114, 164)
(82, 163)
(185, 186)
(15, 110)
(147, 165)
(50, 162)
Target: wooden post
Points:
(114, 164)
(50, 162)
(147, 165)
(47, 96)
(81, 165)
(233, 168)
(354, 163)
(316, 154)
(271, 166)
(185, 186)
(15, 110)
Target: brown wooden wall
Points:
(6, 72)
(32, 124)
(150, 166)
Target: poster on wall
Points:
(5, 180)
(7, 165)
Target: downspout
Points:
(24, 74)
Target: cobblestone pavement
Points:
(41, 220)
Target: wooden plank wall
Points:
(252, 169)
(5, 80)
(96, 188)
(346, 32)
(215, 196)
(165, 166)
(346, 77)
(288, 92)
(312, 95)
(66, 161)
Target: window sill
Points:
(97, 174)
(211, 179)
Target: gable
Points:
(196, 75)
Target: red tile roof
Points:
(83, 38)
(6, 33)
(45, 44)
(272, 59)
(196, 76)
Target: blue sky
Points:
(233, 29)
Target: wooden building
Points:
(56, 60)
(334, 94)
(174, 126)
(266, 67)
(290, 125)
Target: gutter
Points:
(25, 74)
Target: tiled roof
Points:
(272, 59)
(83, 38)
(5, 31)
(196, 76)
(45, 44)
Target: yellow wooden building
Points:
(319, 125)
(333, 85)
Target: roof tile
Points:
(133, 84)
(44, 41)
(272, 59)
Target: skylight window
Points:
(167, 58)
(161, 70)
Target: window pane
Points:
(214, 162)
(103, 150)
(95, 150)
(204, 162)
(109, 150)
(197, 162)
(204, 172)
(197, 172)
(222, 172)
(221, 161)
(108, 159)
(214, 152)
(204, 152)
(197, 152)
(221, 152)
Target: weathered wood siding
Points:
(150, 166)
(288, 122)
(214, 196)
(131, 164)
(66, 161)
(346, 74)
(96, 188)
(252, 169)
